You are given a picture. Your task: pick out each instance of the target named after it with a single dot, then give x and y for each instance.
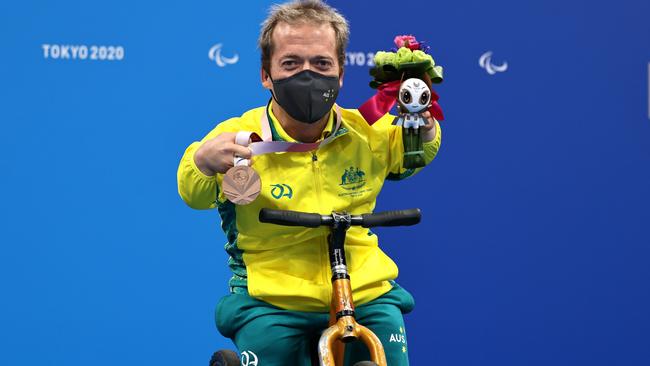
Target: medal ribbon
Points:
(265, 145)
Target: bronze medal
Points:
(241, 185)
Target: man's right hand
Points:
(217, 155)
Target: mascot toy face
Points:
(414, 96)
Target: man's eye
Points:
(288, 63)
(324, 63)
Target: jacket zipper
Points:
(324, 260)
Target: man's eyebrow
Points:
(319, 58)
(291, 56)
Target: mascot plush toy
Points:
(405, 76)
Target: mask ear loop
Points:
(268, 73)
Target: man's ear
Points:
(266, 79)
(341, 78)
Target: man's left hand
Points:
(429, 129)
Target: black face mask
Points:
(307, 96)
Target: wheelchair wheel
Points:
(224, 358)
(365, 363)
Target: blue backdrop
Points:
(535, 240)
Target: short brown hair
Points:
(314, 11)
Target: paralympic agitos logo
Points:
(485, 61)
(215, 55)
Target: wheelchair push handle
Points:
(294, 218)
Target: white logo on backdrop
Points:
(360, 59)
(215, 55)
(246, 358)
(82, 52)
(485, 61)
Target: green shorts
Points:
(277, 337)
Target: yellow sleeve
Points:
(396, 149)
(198, 190)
